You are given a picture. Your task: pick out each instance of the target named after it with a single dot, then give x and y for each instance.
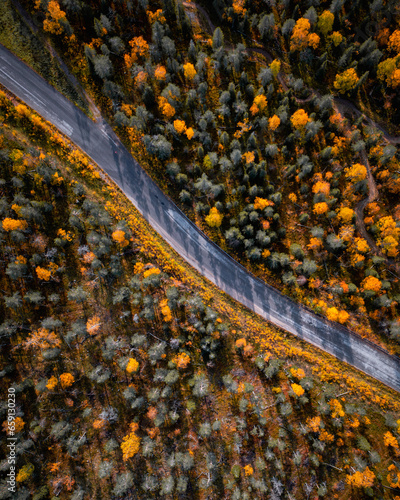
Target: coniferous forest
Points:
(275, 127)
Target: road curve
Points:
(103, 146)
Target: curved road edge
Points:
(103, 146)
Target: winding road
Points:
(102, 145)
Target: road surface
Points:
(103, 146)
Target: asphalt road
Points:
(102, 145)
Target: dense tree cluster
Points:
(128, 383)
(222, 132)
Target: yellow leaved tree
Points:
(189, 71)
(325, 22)
(299, 119)
(214, 218)
(130, 444)
(345, 82)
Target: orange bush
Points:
(93, 325)
(43, 274)
(179, 126)
(119, 237)
(274, 122)
(51, 383)
(189, 133)
(182, 360)
(189, 71)
(394, 41)
(248, 156)
(248, 470)
(356, 172)
(297, 389)
(363, 479)
(371, 283)
(166, 311)
(54, 15)
(160, 72)
(259, 104)
(336, 408)
(390, 440)
(132, 365)
(42, 339)
(66, 380)
(130, 446)
(241, 343)
(299, 119)
(346, 215)
(320, 208)
(13, 224)
(261, 203)
(321, 187)
(300, 33)
(165, 107)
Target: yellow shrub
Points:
(189, 71)
(51, 383)
(130, 446)
(214, 218)
(149, 272)
(259, 104)
(346, 214)
(346, 81)
(24, 473)
(275, 67)
(332, 313)
(297, 389)
(357, 172)
(132, 365)
(336, 38)
(325, 22)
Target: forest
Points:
(289, 164)
(274, 126)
